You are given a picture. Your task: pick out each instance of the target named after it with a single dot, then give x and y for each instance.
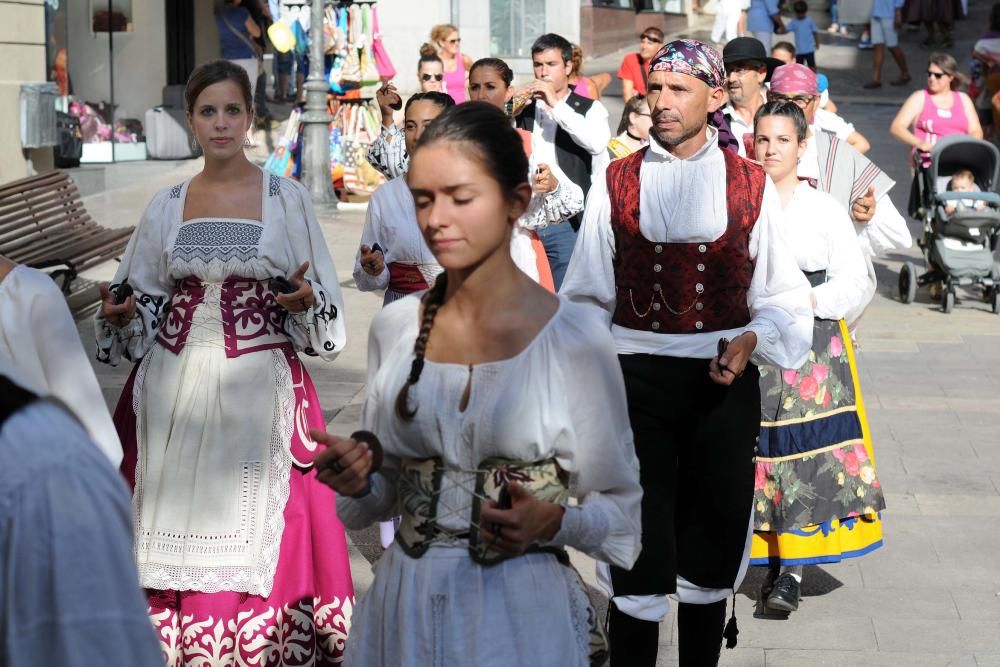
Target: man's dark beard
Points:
(676, 141)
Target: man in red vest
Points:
(681, 249)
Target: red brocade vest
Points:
(682, 288)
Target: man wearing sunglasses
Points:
(834, 166)
(634, 66)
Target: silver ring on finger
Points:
(336, 467)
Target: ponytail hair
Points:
(487, 132)
(502, 69)
(784, 109)
(431, 302)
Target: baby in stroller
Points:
(963, 181)
(956, 200)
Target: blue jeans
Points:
(558, 240)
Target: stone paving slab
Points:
(843, 658)
(937, 635)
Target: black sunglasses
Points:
(937, 75)
(652, 38)
(428, 77)
(801, 101)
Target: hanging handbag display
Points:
(370, 78)
(386, 70)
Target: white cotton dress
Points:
(214, 399)
(562, 396)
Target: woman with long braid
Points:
(504, 436)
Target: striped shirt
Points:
(388, 153)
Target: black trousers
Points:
(695, 441)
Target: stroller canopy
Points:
(960, 151)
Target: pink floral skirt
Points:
(307, 616)
(817, 497)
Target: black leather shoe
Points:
(785, 594)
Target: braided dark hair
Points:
(432, 301)
(487, 131)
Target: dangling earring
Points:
(194, 144)
(246, 141)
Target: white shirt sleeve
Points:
(590, 277)
(780, 308)
(831, 122)
(144, 266)
(68, 373)
(369, 237)
(846, 283)
(603, 467)
(553, 207)
(379, 504)
(885, 231)
(320, 330)
(591, 132)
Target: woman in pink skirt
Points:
(226, 280)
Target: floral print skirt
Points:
(817, 498)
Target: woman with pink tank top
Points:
(937, 111)
(446, 41)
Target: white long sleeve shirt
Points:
(821, 235)
(684, 201)
(391, 222)
(591, 132)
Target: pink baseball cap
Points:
(794, 78)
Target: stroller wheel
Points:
(948, 300)
(907, 283)
(996, 300)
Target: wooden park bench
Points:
(43, 224)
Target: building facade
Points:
(22, 51)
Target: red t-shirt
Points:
(633, 70)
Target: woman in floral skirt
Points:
(817, 498)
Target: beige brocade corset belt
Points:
(419, 490)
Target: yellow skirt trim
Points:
(823, 543)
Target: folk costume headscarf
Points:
(694, 58)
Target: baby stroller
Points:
(958, 248)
